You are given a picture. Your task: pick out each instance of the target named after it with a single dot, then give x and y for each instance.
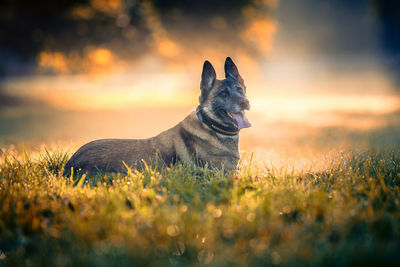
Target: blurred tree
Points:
(32, 26)
(28, 27)
(388, 12)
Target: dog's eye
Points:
(240, 89)
(224, 92)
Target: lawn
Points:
(344, 214)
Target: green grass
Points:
(346, 214)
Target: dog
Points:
(208, 135)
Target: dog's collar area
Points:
(214, 125)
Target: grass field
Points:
(345, 214)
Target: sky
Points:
(74, 71)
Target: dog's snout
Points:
(245, 104)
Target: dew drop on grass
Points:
(173, 230)
(251, 217)
(184, 208)
(217, 213)
(287, 209)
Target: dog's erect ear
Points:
(208, 77)
(231, 70)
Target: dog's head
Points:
(224, 100)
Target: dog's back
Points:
(108, 155)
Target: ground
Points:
(344, 213)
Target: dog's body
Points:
(208, 135)
(189, 141)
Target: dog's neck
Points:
(214, 125)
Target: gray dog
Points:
(208, 135)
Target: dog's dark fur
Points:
(191, 140)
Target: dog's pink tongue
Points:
(241, 120)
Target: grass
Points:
(345, 214)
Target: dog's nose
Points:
(245, 104)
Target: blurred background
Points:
(320, 75)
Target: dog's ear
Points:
(231, 70)
(208, 77)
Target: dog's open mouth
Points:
(240, 119)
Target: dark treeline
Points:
(28, 27)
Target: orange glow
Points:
(101, 57)
(164, 45)
(168, 48)
(319, 98)
(82, 12)
(56, 61)
(107, 6)
(96, 62)
(167, 90)
(260, 33)
(326, 110)
(117, 100)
